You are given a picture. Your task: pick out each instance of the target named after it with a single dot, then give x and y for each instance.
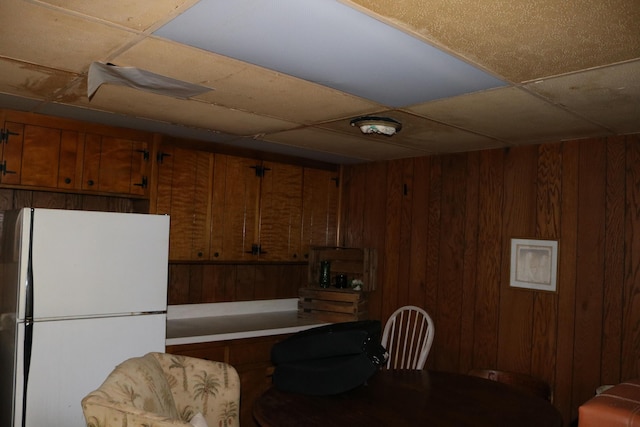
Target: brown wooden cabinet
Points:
(234, 216)
(184, 192)
(280, 230)
(229, 208)
(54, 153)
(252, 359)
(114, 164)
(39, 156)
(271, 211)
(320, 194)
(257, 210)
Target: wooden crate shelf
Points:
(332, 305)
(355, 263)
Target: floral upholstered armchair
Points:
(162, 390)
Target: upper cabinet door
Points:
(184, 193)
(39, 156)
(321, 190)
(280, 213)
(235, 205)
(115, 165)
(70, 164)
(12, 145)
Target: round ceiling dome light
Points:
(378, 125)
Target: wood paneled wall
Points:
(219, 282)
(17, 199)
(442, 226)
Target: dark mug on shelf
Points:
(325, 274)
(341, 281)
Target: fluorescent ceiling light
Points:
(329, 43)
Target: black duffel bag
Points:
(328, 359)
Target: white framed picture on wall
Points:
(534, 264)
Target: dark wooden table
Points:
(410, 398)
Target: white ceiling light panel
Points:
(329, 43)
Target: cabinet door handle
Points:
(90, 182)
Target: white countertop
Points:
(195, 323)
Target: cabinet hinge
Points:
(160, 156)
(260, 170)
(145, 154)
(142, 183)
(3, 168)
(337, 181)
(5, 133)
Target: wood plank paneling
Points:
(405, 232)
(545, 305)
(450, 272)
(487, 298)
(467, 317)
(590, 274)
(613, 261)
(419, 226)
(353, 206)
(464, 211)
(516, 305)
(631, 294)
(567, 281)
(391, 259)
(433, 233)
(375, 219)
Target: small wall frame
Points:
(534, 264)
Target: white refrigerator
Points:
(80, 292)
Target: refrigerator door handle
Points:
(28, 321)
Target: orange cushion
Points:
(618, 406)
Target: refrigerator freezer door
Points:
(95, 263)
(71, 358)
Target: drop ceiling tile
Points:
(510, 114)
(357, 147)
(328, 43)
(125, 100)
(244, 86)
(20, 78)
(137, 15)
(44, 36)
(523, 40)
(609, 96)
